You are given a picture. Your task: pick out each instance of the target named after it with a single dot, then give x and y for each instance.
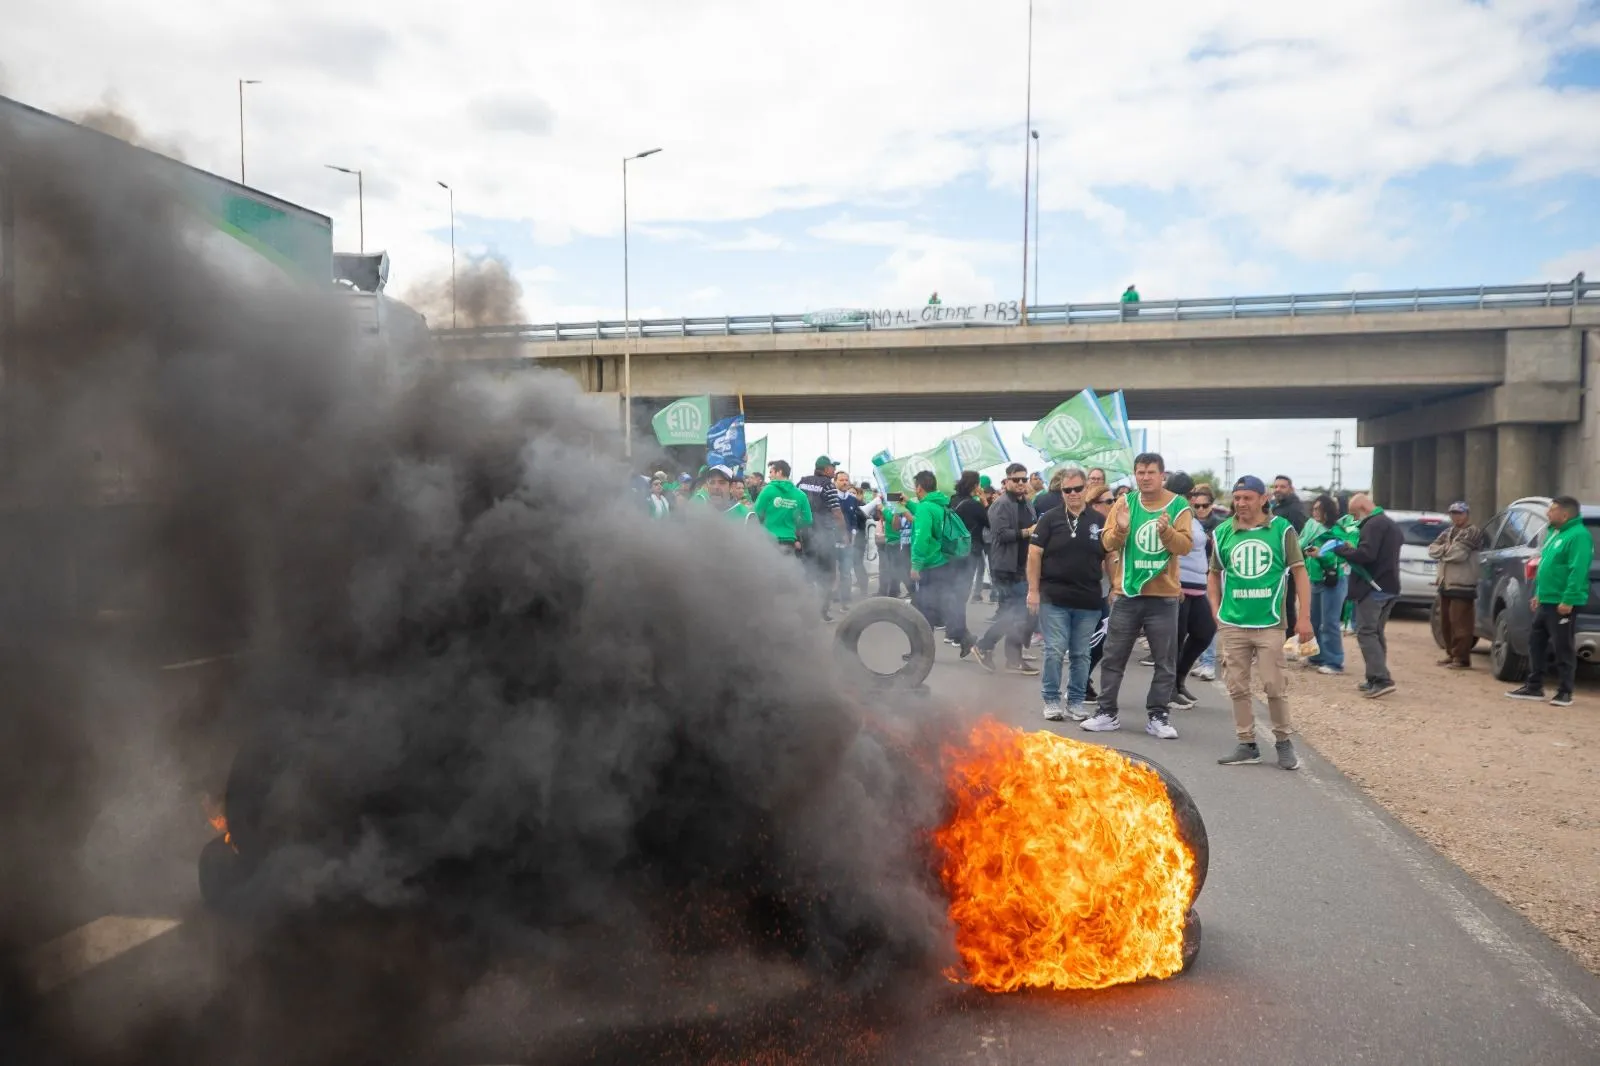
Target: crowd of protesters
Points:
(1092, 571)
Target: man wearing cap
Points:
(820, 542)
(1457, 582)
(719, 494)
(1257, 555)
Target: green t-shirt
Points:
(1144, 556)
(783, 509)
(1255, 564)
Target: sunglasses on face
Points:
(1074, 489)
(1016, 479)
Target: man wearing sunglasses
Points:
(1065, 564)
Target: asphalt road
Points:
(1332, 935)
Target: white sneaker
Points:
(1205, 673)
(1054, 713)
(1160, 727)
(1330, 671)
(1102, 723)
(1076, 712)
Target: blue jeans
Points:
(1067, 632)
(1208, 658)
(1327, 607)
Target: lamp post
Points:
(361, 203)
(452, 193)
(1027, 144)
(627, 320)
(242, 83)
(1038, 210)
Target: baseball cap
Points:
(720, 469)
(984, 482)
(1460, 507)
(822, 461)
(1250, 483)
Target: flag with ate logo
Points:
(978, 448)
(1076, 429)
(896, 475)
(683, 421)
(756, 457)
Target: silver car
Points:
(1417, 571)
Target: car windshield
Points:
(1422, 531)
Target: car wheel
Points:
(1508, 663)
(1436, 624)
(847, 641)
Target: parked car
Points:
(1506, 568)
(1417, 571)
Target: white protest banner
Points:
(1004, 313)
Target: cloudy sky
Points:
(845, 154)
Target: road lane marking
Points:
(1472, 919)
(76, 953)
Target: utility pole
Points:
(1337, 452)
(1027, 170)
(1227, 463)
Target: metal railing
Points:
(1397, 301)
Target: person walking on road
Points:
(1286, 503)
(1011, 525)
(1374, 584)
(894, 541)
(1329, 578)
(1153, 530)
(853, 555)
(1457, 581)
(967, 506)
(1257, 556)
(1065, 566)
(1560, 588)
(940, 590)
(1197, 624)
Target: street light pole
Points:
(242, 83)
(452, 193)
(627, 319)
(1027, 145)
(1038, 210)
(361, 203)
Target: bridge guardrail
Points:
(1393, 301)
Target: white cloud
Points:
(752, 240)
(1564, 267)
(1554, 207)
(707, 294)
(1286, 126)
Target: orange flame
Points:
(1063, 864)
(218, 818)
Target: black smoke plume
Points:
(512, 758)
(483, 293)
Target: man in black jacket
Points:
(1011, 519)
(1374, 588)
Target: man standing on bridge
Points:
(1256, 556)
(1152, 529)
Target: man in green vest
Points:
(1257, 555)
(1153, 528)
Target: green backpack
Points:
(954, 538)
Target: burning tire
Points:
(222, 875)
(1190, 825)
(1191, 940)
(904, 617)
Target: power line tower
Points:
(1336, 452)
(1227, 463)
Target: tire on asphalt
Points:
(1191, 827)
(901, 615)
(1191, 940)
(1508, 664)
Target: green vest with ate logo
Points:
(1143, 557)
(1254, 573)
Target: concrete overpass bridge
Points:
(1485, 394)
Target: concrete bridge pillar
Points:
(1382, 472)
(1478, 472)
(1424, 465)
(1399, 478)
(1517, 462)
(1450, 477)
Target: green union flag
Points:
(978, 448)
(683, 421)
(755, 457)
(896, 475)
(1115, 408)
(1075, 430)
